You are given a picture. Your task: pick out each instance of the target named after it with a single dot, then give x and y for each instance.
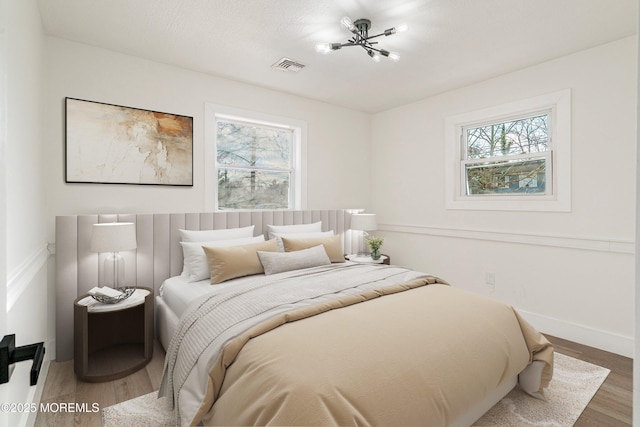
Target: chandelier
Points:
(360, 29)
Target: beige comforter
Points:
(411, 355)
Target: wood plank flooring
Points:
(62, 387)
(611, 406)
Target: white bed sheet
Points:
(177, 292)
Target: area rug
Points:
(574, 384)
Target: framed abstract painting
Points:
(112, 144)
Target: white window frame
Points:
(297, 195)
(558, 186)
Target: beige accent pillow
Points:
(196, 264)
(332, 245)
(237, 261)
(279, 236)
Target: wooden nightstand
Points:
(112, 341)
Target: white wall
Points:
(4, 59)
(24, 251)
(571, 273)
(337, 147)
(636, 354)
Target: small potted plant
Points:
(374, 244)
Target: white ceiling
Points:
(450, 43)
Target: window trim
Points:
(559, 105)
(299, 156)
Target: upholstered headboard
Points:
(158, 255)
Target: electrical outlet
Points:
(490, 279)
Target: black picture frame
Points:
(114, 144)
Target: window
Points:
(511, 157)
(257, 160)
(508, 157)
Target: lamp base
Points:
(113, 271)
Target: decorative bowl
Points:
(126, 293)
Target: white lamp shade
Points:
(113, 237)
(366, 222)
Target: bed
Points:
(321, 341)
(337, 343)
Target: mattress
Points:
(177, 292)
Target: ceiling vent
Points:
(287, 64)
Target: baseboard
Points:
(35, 395)
(50, 349)
(581, 334)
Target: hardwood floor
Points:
(62, 387)
(611, 406)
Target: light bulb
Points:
(323, 47)
(402, 28)
(348, 23)
(374, 55)
(394, 56)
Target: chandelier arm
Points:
(374, 49)
(377, 35)
(364, 43)
(367, 46)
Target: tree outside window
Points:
(508, 156)
(254, 165)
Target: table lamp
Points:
(113, 237)
(364, 222)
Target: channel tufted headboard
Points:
(159, 254)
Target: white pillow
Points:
(196, 265)
(297, 228)
(277, 262)
(312, 235)
(213, 235)
(220, 234)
